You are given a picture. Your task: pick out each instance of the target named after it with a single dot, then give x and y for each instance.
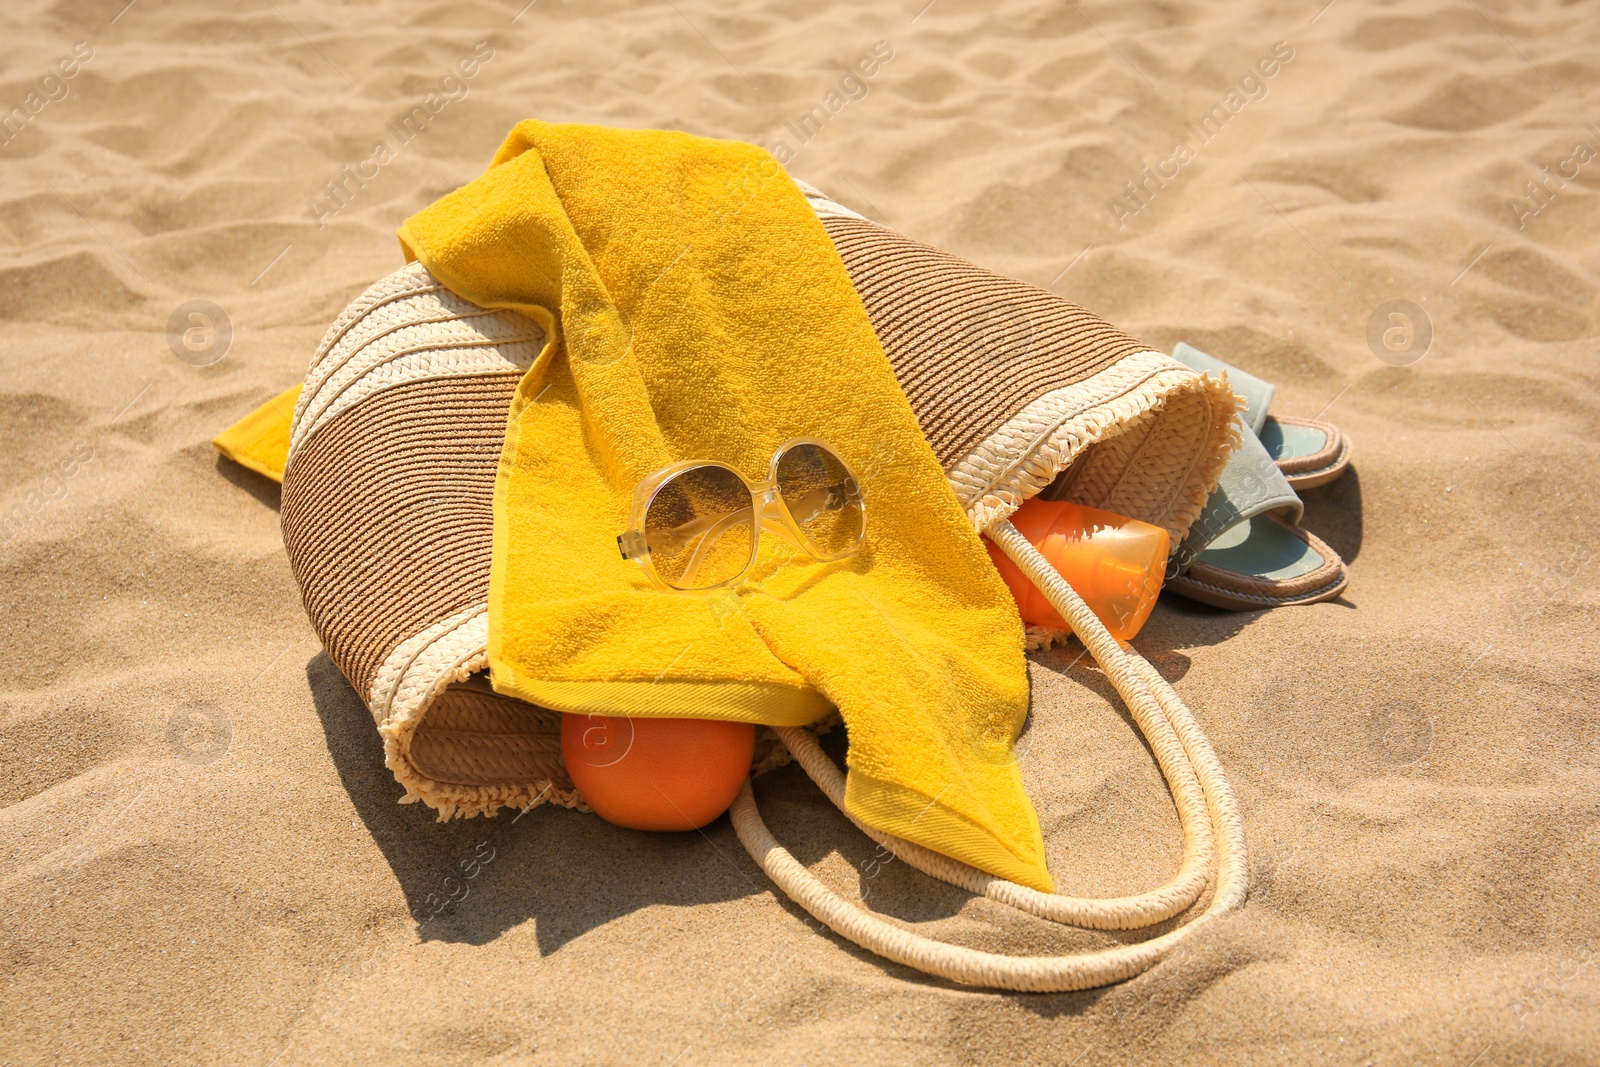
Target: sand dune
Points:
(201, 857)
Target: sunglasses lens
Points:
(824, 499)
(699, 528)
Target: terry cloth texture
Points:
(702, 318)
(388, 522)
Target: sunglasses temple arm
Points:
(700, 526)
(709, 538)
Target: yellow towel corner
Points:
(260, 440)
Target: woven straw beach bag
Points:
(387, 519)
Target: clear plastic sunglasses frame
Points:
(766, 502)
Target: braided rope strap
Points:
(1207, 812)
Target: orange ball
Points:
(657, 774)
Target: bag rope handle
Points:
(1192, 772)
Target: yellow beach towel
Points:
(697, 310)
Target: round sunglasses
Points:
(697, 524)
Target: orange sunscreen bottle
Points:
(1115, 563)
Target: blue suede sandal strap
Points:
(1257, 393)
(1251, 485)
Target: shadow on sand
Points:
(266, 491)
(568, 871)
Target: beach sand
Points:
(203, 859)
